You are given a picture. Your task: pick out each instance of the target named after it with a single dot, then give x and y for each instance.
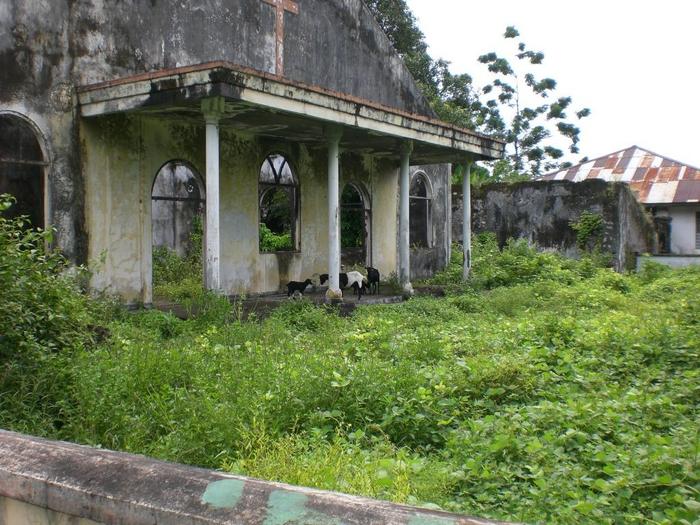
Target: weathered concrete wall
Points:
(15, 511)
(46, 482)
(122, 156)
(425, 262)
(335, 44)
(385, 226)
(48, 48)
(541, 213)
(635, 228)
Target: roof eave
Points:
(445, 142)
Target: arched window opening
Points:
(177, 212)
(420, 200)
(278, 194)
(354, 226)
(22, 169)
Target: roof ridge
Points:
(634, 146)
(586, 162)
(668, 158)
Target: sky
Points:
(634, 63)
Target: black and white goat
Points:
(354, 280)
(343, 279)
(358, 283)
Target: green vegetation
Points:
(277, 220)
(589, 230)
(180, 278)
(547, 390)
(274, 242)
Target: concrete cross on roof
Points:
(281, 6)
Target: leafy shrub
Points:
(516, 263)
(589, 230)
(274, 242)
(179, 278)
(303, 315)
(44, 319)
(42, 306)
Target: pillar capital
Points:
(333, 132)
(406, 147)
(213, 108)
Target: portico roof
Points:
(263, 104)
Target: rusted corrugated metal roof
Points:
(654, 178)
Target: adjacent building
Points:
(670, 191)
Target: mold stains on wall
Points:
(542, 213)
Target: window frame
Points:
(365, 206)
(428, 199)
(42, 165)
(265, 187)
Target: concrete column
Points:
(467, 220)
(404, 219)
(212, 109)
(334, 293)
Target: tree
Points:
(530, 130)
(452, 97)
(503, 108)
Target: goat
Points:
(343, 279)
(296, 286)
(359, 288)
(358, 282)
(373, 279)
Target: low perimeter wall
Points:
(674, 261)
(542, 212)
(56, 483)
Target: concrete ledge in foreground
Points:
(49, 482)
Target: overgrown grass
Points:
(547, 390)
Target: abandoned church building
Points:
(290, 131)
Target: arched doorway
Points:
(420, 212)
(177, 219)
(22, 169)
(355, 227)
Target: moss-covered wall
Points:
(542, 213)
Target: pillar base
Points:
(334, 296)
(408, 290)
